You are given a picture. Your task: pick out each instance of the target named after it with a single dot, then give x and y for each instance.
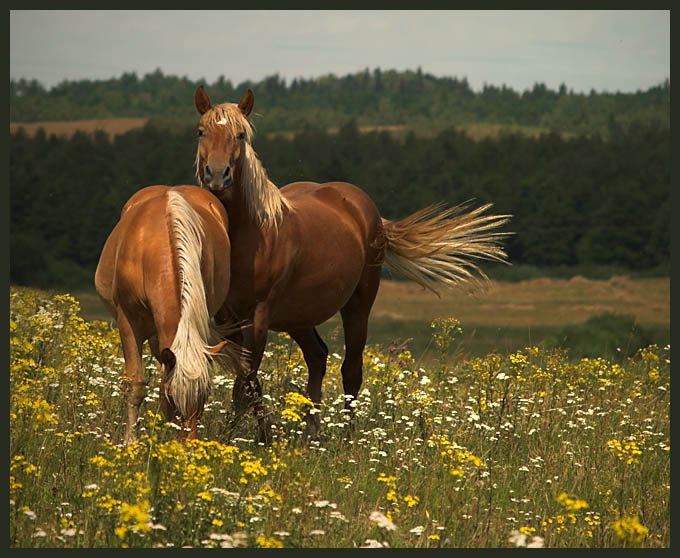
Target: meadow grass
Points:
(502, 450)
(503, 316)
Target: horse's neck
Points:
(237, 211)
(254, 199)
(241, 220)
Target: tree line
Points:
(379, 97)
(574, 200)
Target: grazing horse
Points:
(304, 252)
(163, 273)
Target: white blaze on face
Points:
(222, 121)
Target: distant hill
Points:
(415, 100)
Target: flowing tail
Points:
(436, 247)
(190, 383)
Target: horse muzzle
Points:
(217, 180)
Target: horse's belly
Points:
(308, 304)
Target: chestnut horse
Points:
(163, 273)
(304, 252)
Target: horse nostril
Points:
(208, 171)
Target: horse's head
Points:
(223, 133)
(169, 362)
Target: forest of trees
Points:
(579, 200)
(372, 97)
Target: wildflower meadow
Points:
(528, 449)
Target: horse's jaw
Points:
(223, 193)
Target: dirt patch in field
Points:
(112, 126)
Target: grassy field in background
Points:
(499, 316)
(112, 126)
(115, 126)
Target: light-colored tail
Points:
(190, 385)
(438, 248)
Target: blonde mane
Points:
(190, 385)
(261, 196)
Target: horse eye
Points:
(241, 135)
(199, 133)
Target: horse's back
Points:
(347, 202)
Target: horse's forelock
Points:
(228, 118)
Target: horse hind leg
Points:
(355, 324)
(135, 384)
(315, 353)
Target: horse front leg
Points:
(247, 392)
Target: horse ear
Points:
(202, 100)
(246, 103)
(168, 359)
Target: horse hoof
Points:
(264, 432)
(265, 438)
(313, 427)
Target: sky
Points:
(609, 51)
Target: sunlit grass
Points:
(519, 449)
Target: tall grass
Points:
(524, 449)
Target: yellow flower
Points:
(291, 415)
(389, 480)
(297, 405)
(270, 542)
(571, 504)
(14, 485)
(295, 399)
(99, 461)
(527, 530)
(253, 469)
(629, 529)
(136, 516)
(107, 502)
(411, 500)
(205, 495)
(625, 450)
